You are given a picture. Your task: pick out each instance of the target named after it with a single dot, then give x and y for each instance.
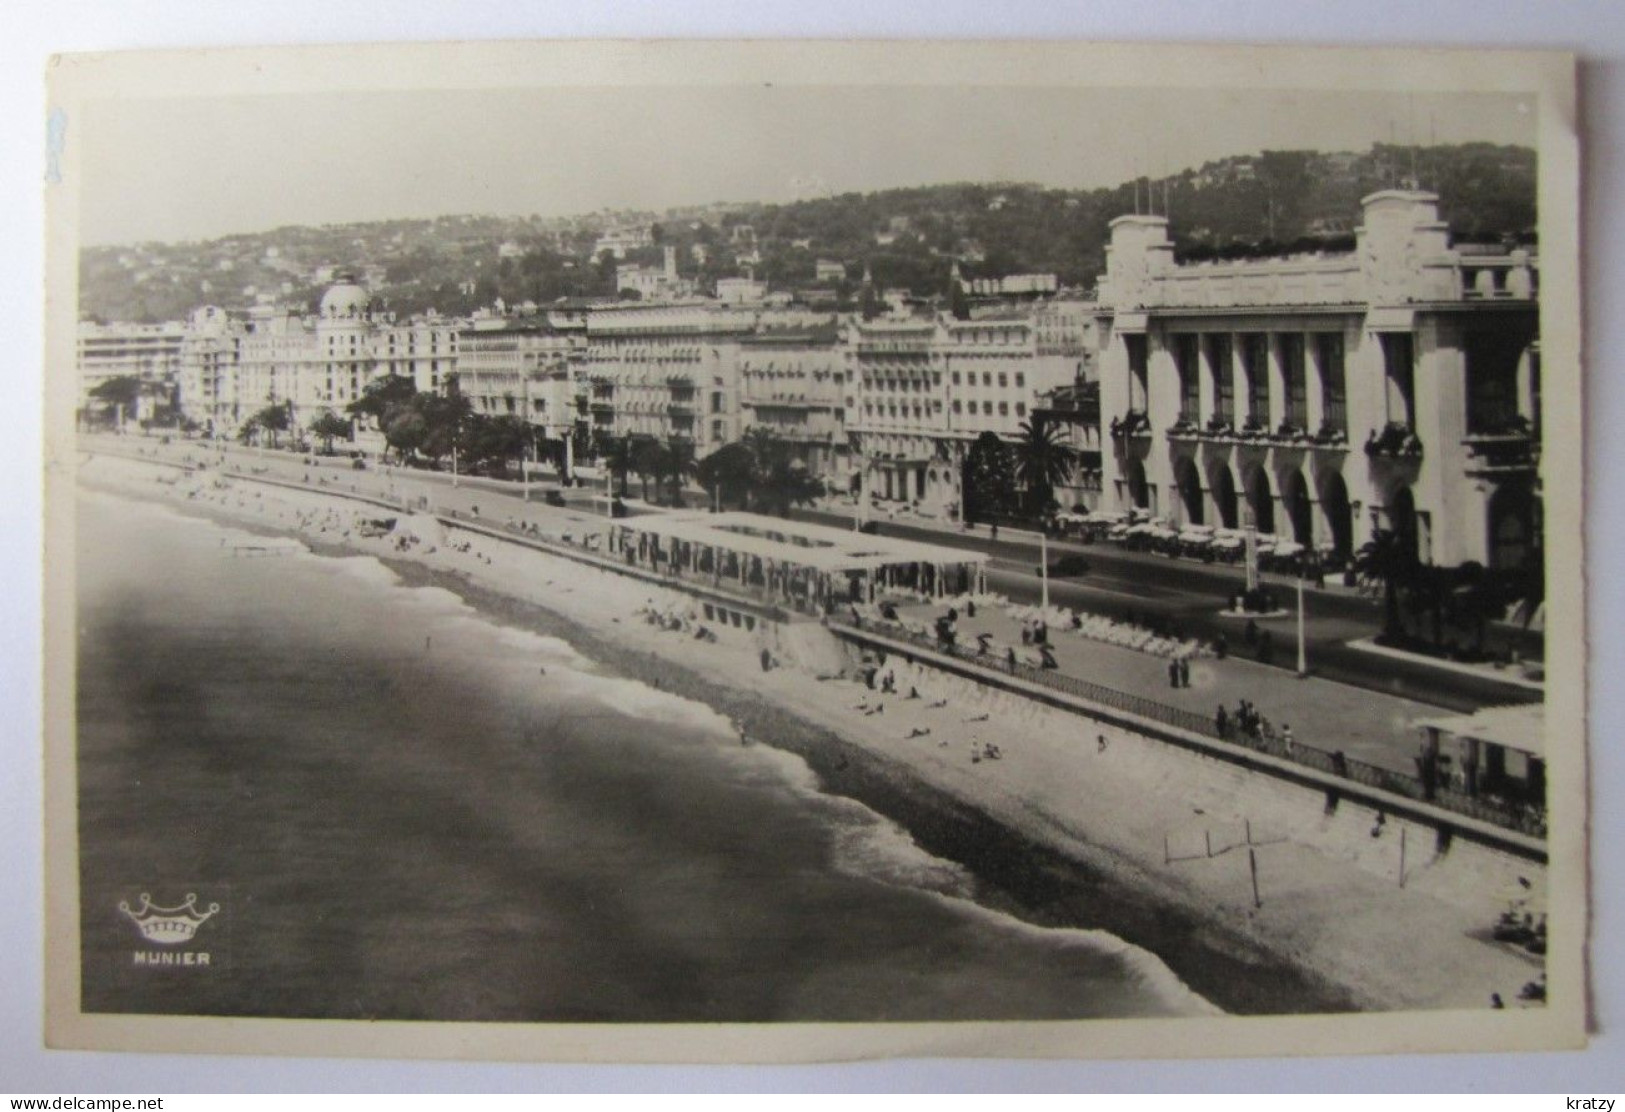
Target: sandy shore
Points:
(1073, 825)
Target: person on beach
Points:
(1100, 743)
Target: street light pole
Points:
(1043, 561)
(1303, 658)
(530, 455)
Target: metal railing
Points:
(1510, 815)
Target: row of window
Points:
(987, 408)
(988, 377)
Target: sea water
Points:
(405, 810)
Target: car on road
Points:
(1067, 565)
(554, 498)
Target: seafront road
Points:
(1369, 722)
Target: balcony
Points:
(1133, 425)
(1394, 440)
(680, 410)
(1184, 429)
(1332, 434)
(1506, 447)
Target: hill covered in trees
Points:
(1262, 204)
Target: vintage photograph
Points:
(717, 541)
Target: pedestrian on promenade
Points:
(1184, 671)
(970, 608)
(1173, 673)
(1010, 658)
(1221, 722)
(1286, 739)
(1221, 647)
(1249, 634)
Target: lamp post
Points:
(525, 463)
(1043, 561)
(1303, 658)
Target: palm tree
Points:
(275, 418)
(649, 461)
(727, 473)
(778, 479)
(617, 454)
(1387, 557)
(987, 482)
(329, 426)
(1042, 462)
(681, 465)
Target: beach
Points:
(1071, 825)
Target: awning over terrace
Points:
(1521, 727)
(798, 544)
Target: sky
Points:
(198, 168)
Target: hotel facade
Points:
(1322, 398)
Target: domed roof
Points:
(346, 298)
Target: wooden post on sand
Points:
(1252, 864)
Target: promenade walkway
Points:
(1323, 714)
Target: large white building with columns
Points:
(1325, 396)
